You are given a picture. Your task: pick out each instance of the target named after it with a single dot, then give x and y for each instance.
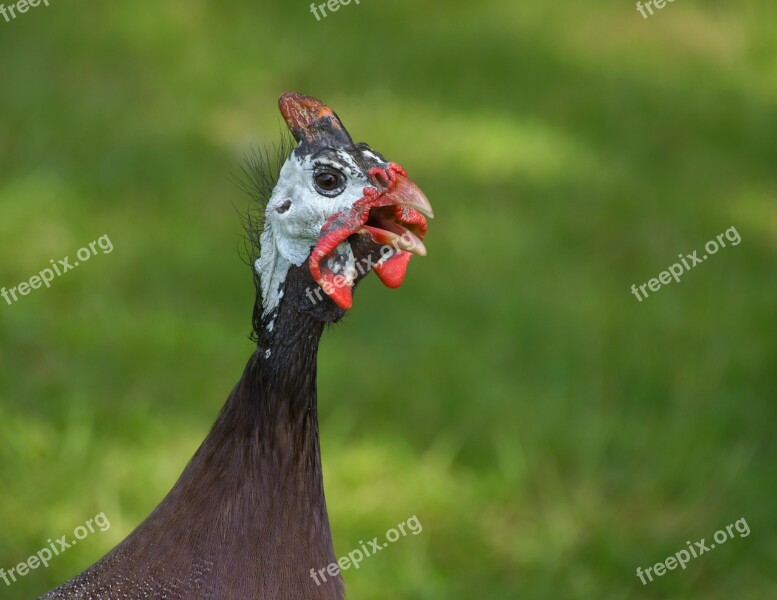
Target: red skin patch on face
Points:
(341, 226)
(342, 295)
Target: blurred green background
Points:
(550, 432)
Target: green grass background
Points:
(550, 432)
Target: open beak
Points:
(400, 223)
(392, 214)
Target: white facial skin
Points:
(290, 233)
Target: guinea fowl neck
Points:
(262, 465)
(247, 518)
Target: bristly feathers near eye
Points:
(261, 169)
(260, 172)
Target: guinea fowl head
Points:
(339, 209)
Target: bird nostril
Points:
(387, 177)
(381, 177)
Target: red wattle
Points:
(342, 295)
(392, 272)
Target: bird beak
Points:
(402, 191)
(392, 214)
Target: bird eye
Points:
(329, 183)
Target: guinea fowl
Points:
(247, 519)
